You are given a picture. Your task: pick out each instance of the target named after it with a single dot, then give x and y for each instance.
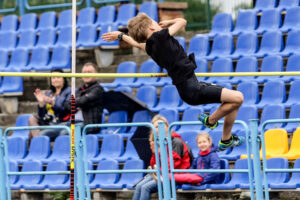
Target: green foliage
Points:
(60, 195)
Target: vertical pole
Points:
(21, 7)
(73, 109)
(3, 170)
(80, 178)
(256, 159)
(164, 160)
(263, 146)
(83, 149)
(208, 14)
(250, 165)
(88, 3)
(173, 185)
(156, 143)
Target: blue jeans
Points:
(144, 189)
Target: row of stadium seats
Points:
(86, 16)
(11, 86)
(278, 4)
(247, 21)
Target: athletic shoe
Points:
(204, 119)
(235, 142)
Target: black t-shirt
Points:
(168, 53)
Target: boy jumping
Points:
(158, 42)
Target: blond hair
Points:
(137, 27)
(206, 135)
(155, 119)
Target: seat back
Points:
(222, 44)
(3, 58)
(12, 85)
(117, 117)
(295, 143)
(241, 177)
(19, 58)
(270, 19)
(265, 4)
(65, 19)
(288, 3)
(132, 178)
(92, 146)
(246, 64)
(276, 141)
(245, 113)
(247, 43)
(130, 151)
(294, 95)
(8, 40)
(272, 41)
(125, 13)
(28, 166)
(13, 167)
(150, 8)
(61, 148)
(149, 66)
(189, 137)
(296, 176)
(202, 67)
(87, 16)
(112, 146)
(221, 65)
(9, 23)
(277, 163)
(39, 148)
(107, 164)
(57, 165)
(250, 91)
(169, 96)
(87, 35)
(271, 63)
(64, 37)
(126, 67)
(39, 58)
(181, 41)
(147, 94)
(293, 63)
(61, 58)
(222, 23)
(191, 114)
(22, 120)
(28, 22)
(46, 38)
(293, 41)
(246, 21)
(140, 116)
(17, 147)
(47, 20)
(27, 39)
(274, 92)
(199, 45)
(106, 15)
(272, 112)
(170, 114)
(292, 17)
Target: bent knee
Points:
(239, 98)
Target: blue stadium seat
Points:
(47, 21)
(273, 93)
(294, 113)
(19, 60)
(13, 167)
(245, 113)
(147, 94)
(61, 58)
(65, 19)
(106, 28)
(9, 23)
(112, 147)
(261, 5)
(221, 65)
(3, 59)
(293, 64)
(277, 178)
(60, 150)
(52, 181)
(292, 43)
(293, 183)
(17, 148)
(27, 39)
(189, 137)
(8, 41)
(65, 37)
(224, 178)
(272, 63)
(222, 23)
(199, 45)
(106, 15)
(128, 180)
(284, 5)
(272, 112)
(92, 146)
(12, 86)
(39, 149)
(291, 20)
(181, 41)
(222, 47)
(28, 22)
(86, 16)
(294, 96)
(116, 117)
(28, 180)
(250, 91)
(238, 180)
(124, 67)
(88, 37)
(148, 66)
(247, 43)
(270, 20)
(150, 8)
(169, 98)
(46, 38)
(171, 115)
(123, 89)
(165, 80)
(190, 114)
(129, 154)
(39, 59)
(246, 22)
(104, 179)
(271, 43)
(245, 64)
(125, 13)
(139, 116)
(22, 120)
(202, 67)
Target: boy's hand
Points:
(165, 23)
(112, 36)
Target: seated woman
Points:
(51, 107)
(181, 157)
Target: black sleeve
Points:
(177, 147)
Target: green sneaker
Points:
(235, 142)
(204, 119)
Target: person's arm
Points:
(89, 98)
(174, 25)
(112, 36)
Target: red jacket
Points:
(180, 153)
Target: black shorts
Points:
(195, 93)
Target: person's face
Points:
(155, 124)
(203, 143)
(155, 26)
(57, 82)
(88, 69)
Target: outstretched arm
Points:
(174, 25)
(112, 36)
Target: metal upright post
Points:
(256, 159)
(88, 3)
(3, 172)
(21, 7)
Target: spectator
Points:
(181, 156)
(89, 99)
(51, 107)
